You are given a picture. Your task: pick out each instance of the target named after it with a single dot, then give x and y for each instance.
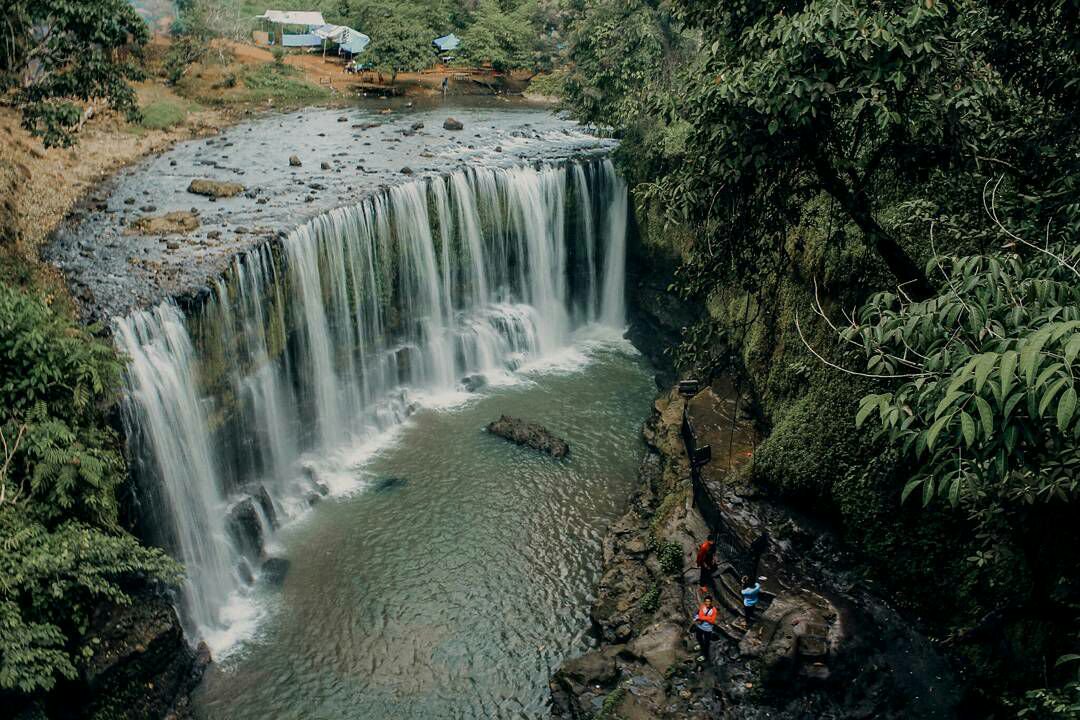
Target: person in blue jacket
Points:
(750, 595)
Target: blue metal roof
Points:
(447, 42)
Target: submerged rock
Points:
(530, 434)
(215, 188)
(390, 483)
(472, 383)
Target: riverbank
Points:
(822, 644)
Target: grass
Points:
(281, 83)
(161, 108)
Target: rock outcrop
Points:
(817, 648)
(142, 667)
(529, 434)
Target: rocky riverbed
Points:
(169, 225)
(823, 646)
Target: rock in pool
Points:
(529, 434)
(452, 124)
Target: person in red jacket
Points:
(704, 623)
(706, 562)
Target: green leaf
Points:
(909, 488)
(983, 367)
(967, 427)
(936, 428)
(1065, 409)
(1008, 368)
(1048, 397)
(986, 415)
(866, 406)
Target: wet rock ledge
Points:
(821, 647)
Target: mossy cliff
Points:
(982, 608)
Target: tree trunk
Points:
(911, 277)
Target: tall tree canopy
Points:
(56, 54)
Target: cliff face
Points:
(821, 645)
(142, 667)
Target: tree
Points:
(495, 37)
(399, 44)
(56, 54)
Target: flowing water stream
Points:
(359, 357)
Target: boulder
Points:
(245, 528)
(324, 165)
(140, 655)
(529, 434)
(267, 504)
(452, 124)
(294, 160)
(274, 571)
(660, 645)
(215, 188)
(174, 223)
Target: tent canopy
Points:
(306, 40)
(293, 17)
(353, 42)
(447, 42)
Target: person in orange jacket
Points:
(704, 622)
(706, 562)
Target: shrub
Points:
(670, 555)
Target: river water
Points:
(453, 571)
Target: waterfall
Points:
(329, 338)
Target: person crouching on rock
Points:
(704, 622)
(750, 596)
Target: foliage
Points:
(51, 581)
(650, 601)
(620, 56)
(62, 552)
(987, 404)
(58, 53)
(163, 114)
(670, 555)
(501, 39)
(400, 44)
(281, 83)
(183, 52)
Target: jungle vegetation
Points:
(878, 206)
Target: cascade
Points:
(330, 337)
